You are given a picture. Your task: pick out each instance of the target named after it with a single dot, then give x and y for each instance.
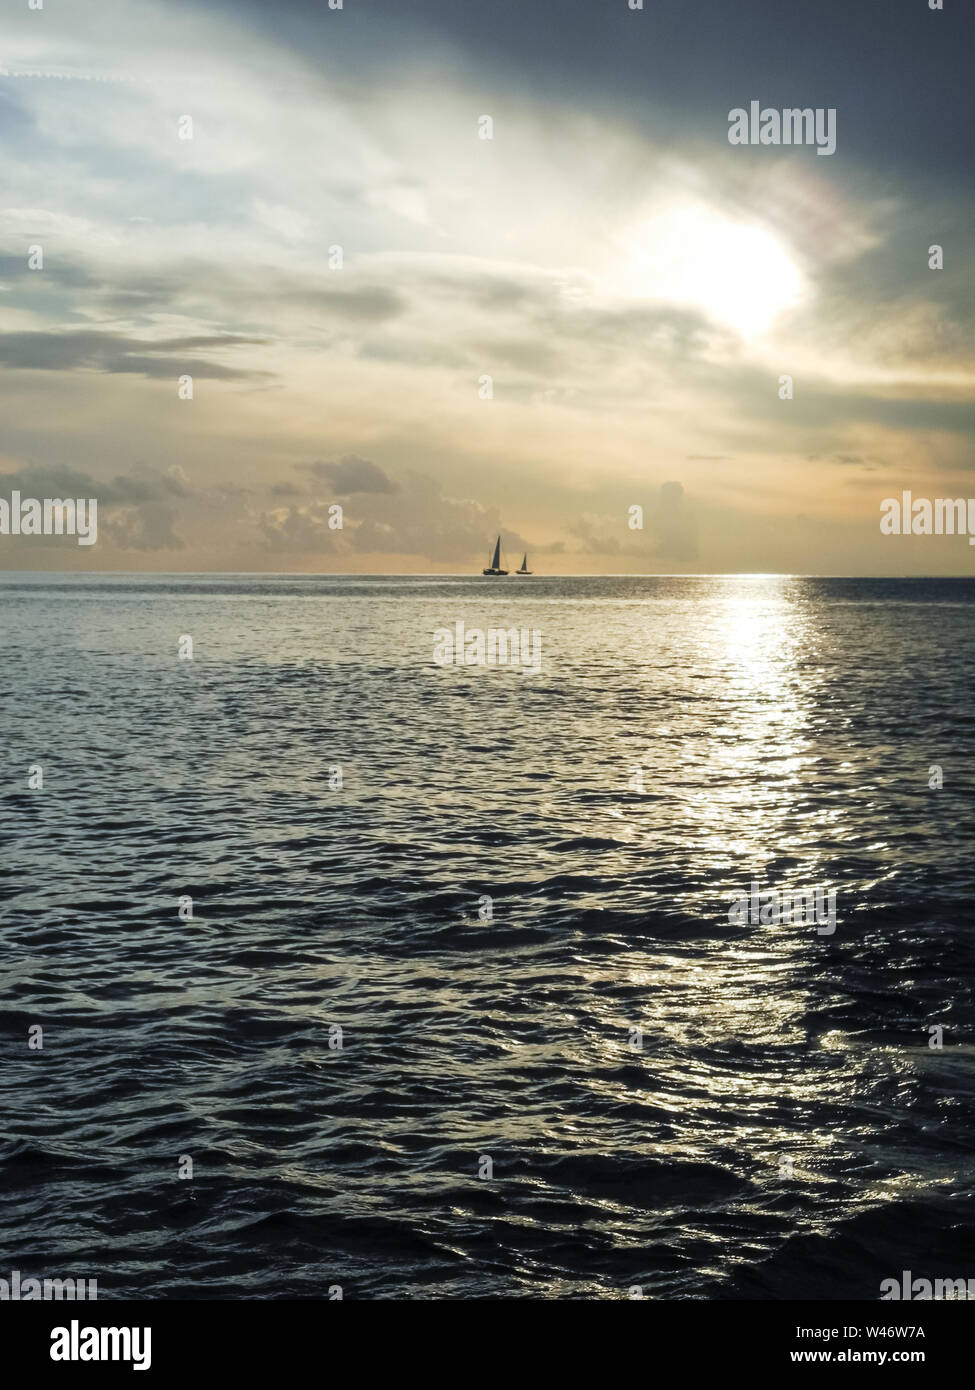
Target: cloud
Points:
(301, 530)
(668, 524)
(136, 511)
(352, 474)
(465, 257)
(112, 352)
(672, 525)
(589, 543)
(122, 490)
(413, 519)
(149, 527)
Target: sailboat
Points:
(524, 565)
(496, 561)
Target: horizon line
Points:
(469, 574)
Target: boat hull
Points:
(494, 571)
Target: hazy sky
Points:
(633, 284)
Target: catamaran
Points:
(524, 565)
(496, 561)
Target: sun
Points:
(737, 273)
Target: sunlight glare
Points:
(738, 274)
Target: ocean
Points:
(363, 973)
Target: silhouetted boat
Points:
(496, 561)
(524, 566)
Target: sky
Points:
(449, 336)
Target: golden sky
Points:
(633, 285)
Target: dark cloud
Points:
(56, 275)
(135, 510)
(676, 68)
(301, 530)
(145, 528)
(416, 520)
(212, 291)
(370, 303)
(554, 342)
(113, 352)
(352, 474)
(486, 291)
(122, 490)
(526, 355)
(816, 420)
